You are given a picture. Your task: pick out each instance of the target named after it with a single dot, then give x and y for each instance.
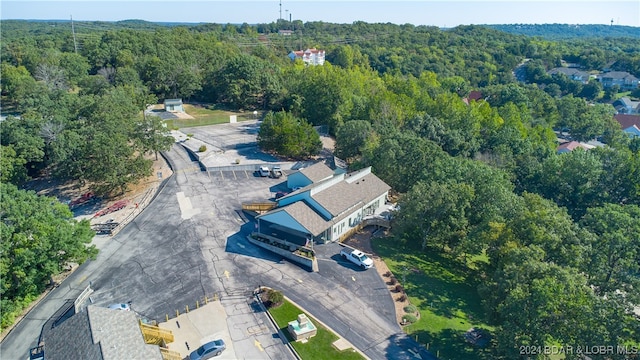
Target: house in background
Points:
(571, 73)
(473, 96)
(99, 333)
(623, 79)
(311, 56)
(572, 145)
(629, 124)
(625, 105)
(326, 210)
(173, 105)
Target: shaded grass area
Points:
(318, 347)
(445, 293)
(207, 116)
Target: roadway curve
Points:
(190, 242)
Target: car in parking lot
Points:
(208, 350)
(264, 171)
(276, 172)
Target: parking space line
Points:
(234, 175)
(221, 175)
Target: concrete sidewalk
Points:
(199, 326)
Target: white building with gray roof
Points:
(326, 209)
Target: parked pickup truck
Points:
(357, 257)
(276, 172)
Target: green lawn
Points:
(445, 293)
(318, 347)
(207, 116)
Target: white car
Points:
(264, 171)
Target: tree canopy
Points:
(39, 238)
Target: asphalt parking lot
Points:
(190, 243)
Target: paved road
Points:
(190, 242)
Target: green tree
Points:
(614, 252)
(434, 215)
(288, 136)
(23, 135)
(39, 237)
(247, 82)
(404, 159)
(12, 168)
(545, 303)
(572, 180)
(153, 135)
(105, 146)
(352, 138)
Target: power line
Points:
(75, 45)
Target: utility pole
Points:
(73, 31)
(280, 18)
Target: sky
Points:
(439, 13)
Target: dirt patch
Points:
(136, 196)
(362, 241)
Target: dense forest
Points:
(569, 31)
(561, 232)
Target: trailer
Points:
(118, 205)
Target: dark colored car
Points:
(280, 194)
(208, 350)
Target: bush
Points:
(399, 288)
(273, 298)
(202, 148)
(392, 281)
(409, 319)
(402, 298)
(410, 309)
(387, 274)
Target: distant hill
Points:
(568, 31)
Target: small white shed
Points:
(173, 105)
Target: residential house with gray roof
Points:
(571, 73)
(623, 79)
(325, 210)
(625, 105)
(99, 333)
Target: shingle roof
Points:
(567, 71)
(340, 195)
(572, 145)
(627, 121)
(307, 217)
(617, 75)
(316, 172)
(99, 333)
(347, 194)
(172, 101)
